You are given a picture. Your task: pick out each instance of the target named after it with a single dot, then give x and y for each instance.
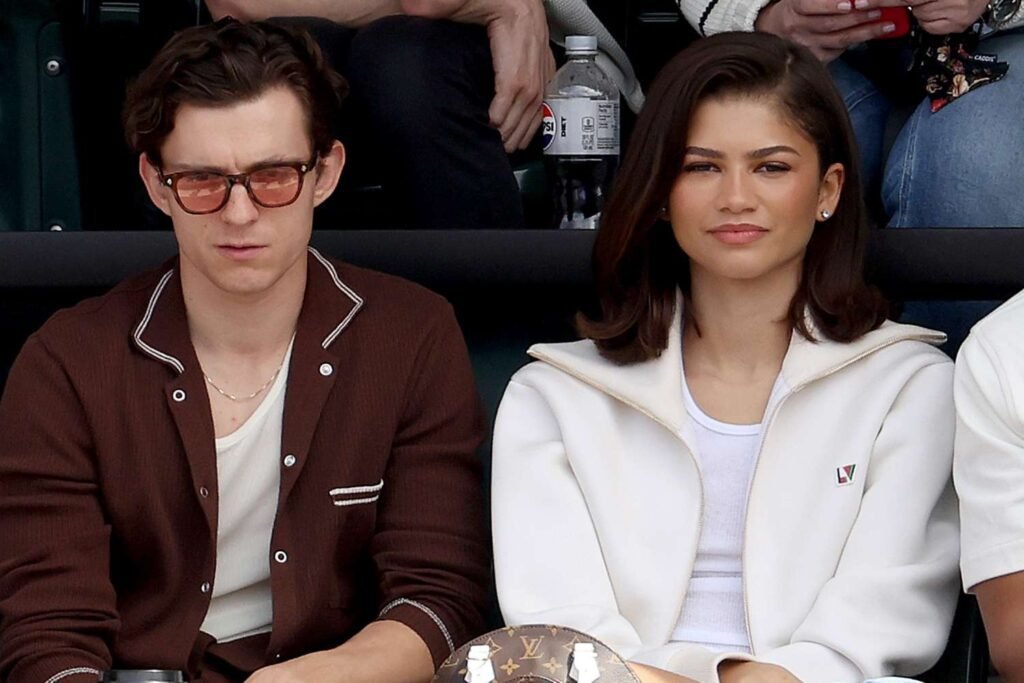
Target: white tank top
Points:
(248, 477)
(713, 613)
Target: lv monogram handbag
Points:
(533, 654)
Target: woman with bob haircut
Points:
(743, 473)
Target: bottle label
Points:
(580, 127)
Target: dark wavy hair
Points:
(226, 63)
(638, 265)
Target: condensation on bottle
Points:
(580, 136)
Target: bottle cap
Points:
(577, 44)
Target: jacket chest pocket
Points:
(351, 496)
(354, 511)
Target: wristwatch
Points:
(1000, 11)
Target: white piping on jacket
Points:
(71, 672)
(372, 488)
(426, 610)
(346, 290)
(170, 360)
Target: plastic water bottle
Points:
(580, 136)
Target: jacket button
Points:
(178, 395)
(326, 369)
(289, 460)
(280, 557)
(204, 492)
(205, 588)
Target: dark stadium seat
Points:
(966, 657)
(63, 69)
(40, 170)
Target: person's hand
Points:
(523, 65)
(650, 674)
(753, 672)
(522, 59)
(827, 27)
(948, 16)
(318, 667)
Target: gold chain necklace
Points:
(237, 399)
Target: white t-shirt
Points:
(713, 613)
(248, 477)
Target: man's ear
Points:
(158, 192)
(327, 172)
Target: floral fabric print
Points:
(950, 66)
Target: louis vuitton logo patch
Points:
(531, 646)
(844, 475)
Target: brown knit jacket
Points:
(108, 548)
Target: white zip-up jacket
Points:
(851, 538)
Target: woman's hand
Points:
(826, 27)
(940, 17)
(753, 672)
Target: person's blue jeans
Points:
(958, 167)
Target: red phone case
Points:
(898, 16)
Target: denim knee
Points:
(958, 167)
(869, 109)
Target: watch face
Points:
(1002, 10)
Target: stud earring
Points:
(825, 214)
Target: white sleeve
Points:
(989, 464)
(889, 606)
(548, 564)
(709, 17)
(547, 560)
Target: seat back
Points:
(37, 132)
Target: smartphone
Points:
(899, 17)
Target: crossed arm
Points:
(517, 30)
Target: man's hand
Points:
(318, 667)
(382, 651)
(827, 27)
(522, 59)
(940, 17)
(753, 672)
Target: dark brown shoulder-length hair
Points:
(225, 63)
(638, 265)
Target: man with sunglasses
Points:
(255, 462)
